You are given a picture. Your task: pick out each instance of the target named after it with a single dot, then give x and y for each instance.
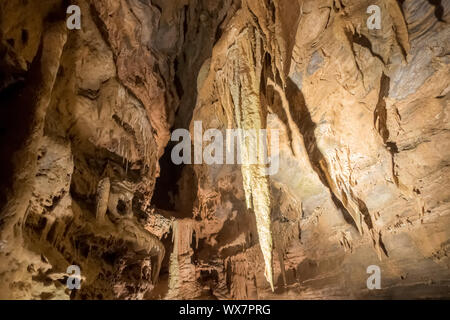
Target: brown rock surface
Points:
(86, 175)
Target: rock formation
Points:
(87, 178)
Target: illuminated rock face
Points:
(86, 176)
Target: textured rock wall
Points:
(86, 175)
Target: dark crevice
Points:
(382, 246)
(166, 188)
(380, 113)
(439, 9)
(11, 42)
(363, 41)
(16, 117)
(177, 81)
(380, 122)
(400, 4)
(24, 36)
(162, 286)
(185, 23)
(365, 212)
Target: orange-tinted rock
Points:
(86, 175)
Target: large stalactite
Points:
(245, 90)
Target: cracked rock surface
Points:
(86, 176)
